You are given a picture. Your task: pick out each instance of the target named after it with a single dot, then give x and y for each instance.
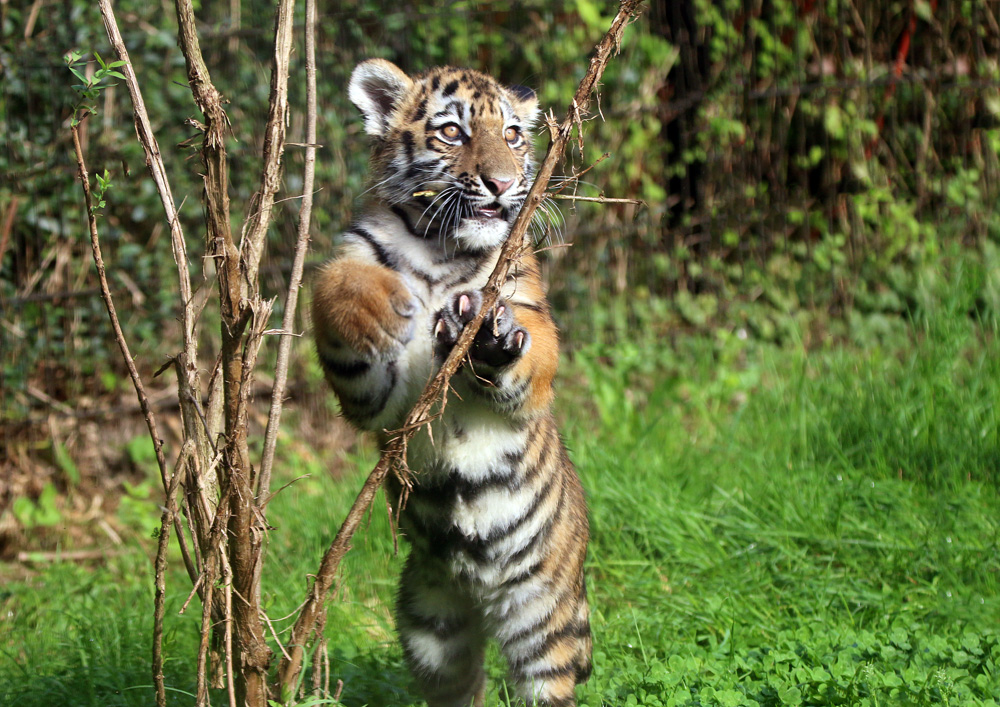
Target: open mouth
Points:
(485, 214)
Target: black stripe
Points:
(465, 266)
(530, 628)
(381, 254)
(553, 672)
(405, 218)
(542, 535)
(540, 307)
(344, 369)
(407, 139)
(367, 406)
(450, 88)
(426, 277)
(522, 576)
(546, 451)
(533, 628)
(508, 397)
(455, 484)
(503, 532)
(418, 170)
(514, 458)
(572, 629)
(442, 628)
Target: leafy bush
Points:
(792, 182)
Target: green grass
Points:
(770, 527)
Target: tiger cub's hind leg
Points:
(548, 646)
(442, 636)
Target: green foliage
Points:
(64, 461)
(809, 197)
(90, 88)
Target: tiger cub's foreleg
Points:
(364, 316)
(514, 356)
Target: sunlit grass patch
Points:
(770, 527)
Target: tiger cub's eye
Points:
(451, 131)
(512, 135)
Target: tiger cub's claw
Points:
(499, 340)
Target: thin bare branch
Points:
(393, 457)
(274, 633)
(227, 581)
(194, 590)
(154, 162)
(213, 552)
(240, 307)
(596, 199)
(161, 570)
(298, 264)
(257, 221)
(169, 483)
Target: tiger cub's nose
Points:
(497, 186)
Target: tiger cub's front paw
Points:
(368, 307)
(499, 341)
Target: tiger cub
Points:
(496, 520)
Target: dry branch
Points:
(240, 307)
(294, 282)
(298, 264)
(169, 483)
(393, 457)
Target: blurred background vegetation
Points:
(812, 172)
(787, 361)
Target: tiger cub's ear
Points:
(525, 103)
(376, 88)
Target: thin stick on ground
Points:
(393, 457)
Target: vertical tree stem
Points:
(301, 248)
(169, 482)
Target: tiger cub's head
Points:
(452, 146)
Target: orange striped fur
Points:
(496, 521)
